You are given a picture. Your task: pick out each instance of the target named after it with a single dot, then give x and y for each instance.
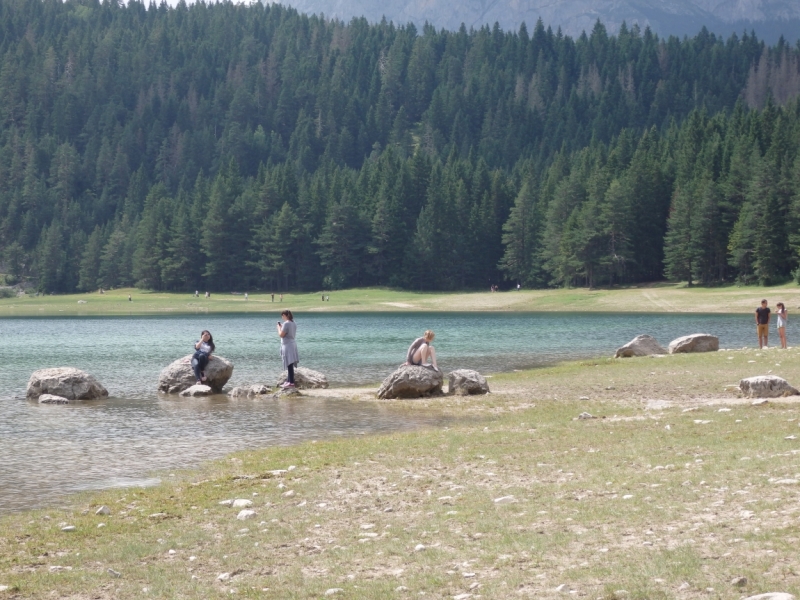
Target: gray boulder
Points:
(306, 379)
(249, 391)
(771, 596)
(697, 342)
(411, 381)
(766, 386)
(197, 390)
(51, 399)
(641, 345)
(67, 382)
(178, 376)
(465, 382)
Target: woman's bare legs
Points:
(782, 332)
(423, 353)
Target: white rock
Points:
(59, 568)
(114, 573)
(3, 588)
(641, 345)
(787, 482)
(195, 391)
(172, 552)
(766, 386)
(762, 402)
(401, 588)
(771, 596)
(242, 503)
(333, 591)
(585, 416)
(306, 379)
(223, 577)
(69, 528)
(465, 382)
(463, 596)
(100, 525)
(562, 587)
(419, 547)
(246, 514)
(179, 376)
(288, 494)
(226, 503)
(103, 510)
(52, 399)
(67, 382)
(249, 391)
(504, 500)
(697, 342)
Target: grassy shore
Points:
(675, 489)
(649, 298)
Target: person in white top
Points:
(202, 353)
(783, 316)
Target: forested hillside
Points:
(232, 147)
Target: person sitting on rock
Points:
(202, 352)
(421, 350)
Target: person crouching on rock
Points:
(202, 352)
(287, 329)
(421, 350)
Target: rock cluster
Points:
(697, 342)
(66, 382)
(641, 345)
(52, 399)
(465, 382)
(178, 376)
(249, 391)
(196, 391)
(766, 386)
(306, 379)
(411, 381)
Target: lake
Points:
(49, 451)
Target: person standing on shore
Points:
(421, 350)
(762, 324)
(783, 317)
(287, 330)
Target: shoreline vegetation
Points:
(660, 297)
(673, 488)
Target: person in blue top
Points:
(202, 352)
(287, 329)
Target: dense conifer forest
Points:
(241, 147)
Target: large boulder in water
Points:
(411, 381)
(306, 379)
(178, 376)
(67, 382)
(766, 386)
(697, 342)
(465, 382)
(641, 345)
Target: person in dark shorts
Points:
(762, 323)
(421, 350)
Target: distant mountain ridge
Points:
(769, 18)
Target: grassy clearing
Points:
(649, 500)
(652, 298)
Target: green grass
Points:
(662, 502)
(651, 298)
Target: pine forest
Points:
(228, 147)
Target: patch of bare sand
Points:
(399, 304)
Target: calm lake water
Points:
(49, 451)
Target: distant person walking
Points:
(287, 330)
(762, 324)
(421, 350)
(202, 353)
(273, 297)
(783, 317)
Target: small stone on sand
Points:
(245, 514)
(333, 591)
(103, 510)
(242, 503)
(69, 528)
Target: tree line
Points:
(231, 147)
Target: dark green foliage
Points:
(225, 146)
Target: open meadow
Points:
(648, 298)
(674, 488)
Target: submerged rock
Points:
(465, 382)
(178, 376)
(697, 342)
(197, 390)
(641, 345)
(306, 379)
(766, 386)
(411, 381)
(248, 391)
(67, 382)
(51, 399)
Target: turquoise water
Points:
(48, 451)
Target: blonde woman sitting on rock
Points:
(421, 350)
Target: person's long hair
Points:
(210, 338)
(288, 314)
